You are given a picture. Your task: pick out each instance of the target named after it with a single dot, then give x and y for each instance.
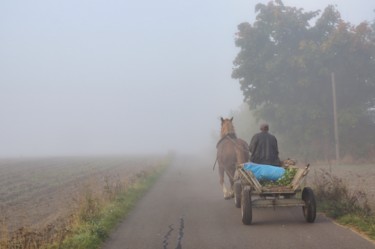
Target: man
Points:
(263, 148)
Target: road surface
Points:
(186, 209)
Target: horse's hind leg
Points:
(227, 193)
(221, 175)
(230, 173)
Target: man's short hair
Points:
(264, 127)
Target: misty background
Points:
(109, 77)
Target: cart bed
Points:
(248, 178)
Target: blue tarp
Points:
(265, 172)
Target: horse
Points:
(230, 151)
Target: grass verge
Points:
(364, 225)
(98, 208)
(345, 206)
(96, 226)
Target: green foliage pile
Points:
(288, 176)
(284, 67)
(285, 180)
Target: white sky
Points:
(118, 76)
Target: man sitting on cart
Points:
(263, 147)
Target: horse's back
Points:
(226, 152)
(230, 152)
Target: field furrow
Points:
(36, 191)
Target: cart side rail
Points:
(250, 178)
(299, 177)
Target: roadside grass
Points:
(347, 207)
(95, 214)
(363, 224)
(95, 223)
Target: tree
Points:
(284, 69)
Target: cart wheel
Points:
(246, 207)
(309, 210)
(237, 194)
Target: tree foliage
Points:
(284, 68)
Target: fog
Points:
(122, 77)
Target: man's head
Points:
(264, 127)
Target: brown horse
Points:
(230, 151)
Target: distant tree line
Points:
(285, 66)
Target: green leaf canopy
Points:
(284, 68)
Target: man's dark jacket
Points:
(264, 149)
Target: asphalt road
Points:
(186, 209)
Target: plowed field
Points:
(37, 191)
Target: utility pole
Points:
(335, 117)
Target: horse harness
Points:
(233, 138)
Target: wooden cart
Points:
(247, 186)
